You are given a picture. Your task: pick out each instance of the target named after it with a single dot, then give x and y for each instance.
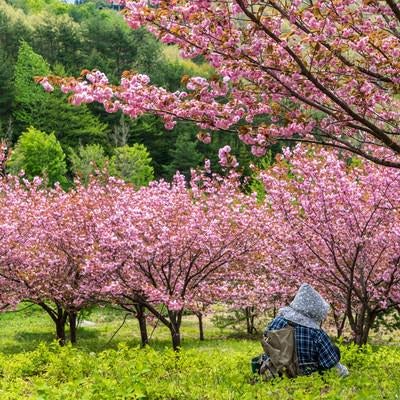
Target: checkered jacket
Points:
(315, 351)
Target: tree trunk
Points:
(201, 327)
(141, 317)
(72, 326)
(363, 326)
(175, 318)
(59, 317)
(176, 338)
(339, 323)
(60, 332)
(248, 328)
(249, 312)
(173, 322)
(60, 324)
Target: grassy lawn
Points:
(32, 366)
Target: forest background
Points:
(42, 37)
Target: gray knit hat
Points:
(308, 308)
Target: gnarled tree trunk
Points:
(363, 327)
(250, 318)
(175, 318)
(361, 324)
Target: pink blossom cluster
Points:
(325, 72)
(226, 159)
(204, 137)
(161, 244)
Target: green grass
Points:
(24, 330)
(34, 367)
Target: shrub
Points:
(217, 370)
(38, 154)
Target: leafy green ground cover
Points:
(32, 367)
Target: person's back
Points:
(315, 351)
(313, 347)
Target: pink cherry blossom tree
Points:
(324, 71)
(252, 291)
(15, 228)
(169, 241)
(66, 246)
(50, 238)
(337, 227)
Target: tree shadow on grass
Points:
(243, 335)
(25, 341)
(28, 341)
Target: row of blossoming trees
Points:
(324, 71)
(160, 245)
(181, 246)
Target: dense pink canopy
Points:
(328, 219)
(48, 239)
(170, 243)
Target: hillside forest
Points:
(44, 37)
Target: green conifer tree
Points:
(184, 156)
(50, 112)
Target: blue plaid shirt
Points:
(315, 351)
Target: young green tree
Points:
(87, 160)
(38, 154)
(30, 101)
(73, 126)
(133, 164)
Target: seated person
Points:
(315, 351)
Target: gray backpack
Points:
(280, 347)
